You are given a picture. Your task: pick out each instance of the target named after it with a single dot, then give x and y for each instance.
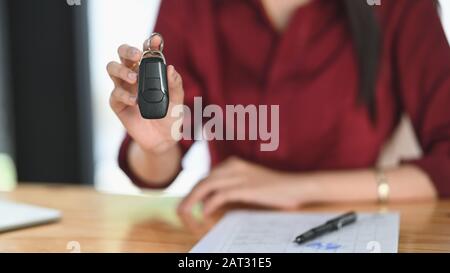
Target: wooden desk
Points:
(115, 223)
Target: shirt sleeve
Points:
(172, 23)
(422, 57)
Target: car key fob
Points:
(153, 90)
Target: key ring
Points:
(149, 51)
(154, 34)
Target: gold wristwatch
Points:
(382, 186)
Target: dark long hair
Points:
(367, 42)
(367, 39)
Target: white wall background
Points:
(112, 23)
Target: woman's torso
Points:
(310, 71)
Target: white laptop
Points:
(16, 215)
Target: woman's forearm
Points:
(406, 183)
(237, 180)
(156, 168)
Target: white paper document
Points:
(274, 232)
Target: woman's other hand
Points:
(239, 181)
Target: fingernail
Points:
(174, 74)
(133, 52)
(133, 98)
(132, 76)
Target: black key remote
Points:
(153, 91)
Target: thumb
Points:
(176, 91)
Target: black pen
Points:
(331, 225)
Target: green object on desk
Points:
(8, 177)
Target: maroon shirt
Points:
(229, 53)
